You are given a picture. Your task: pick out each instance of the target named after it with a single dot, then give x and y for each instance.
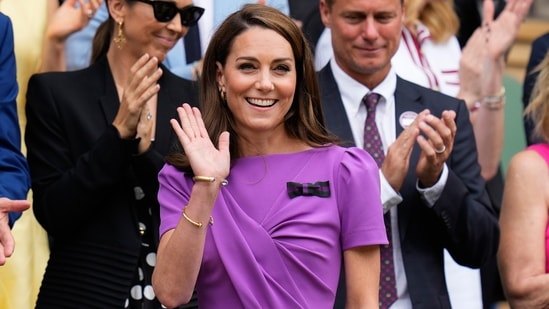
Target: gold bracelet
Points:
(195, 223)
(224, 182)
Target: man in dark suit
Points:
(432, 191)
(14, 174)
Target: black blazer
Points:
(462, 220)
(83, 178)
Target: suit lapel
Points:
(168, 101)
(337, 123)
(407, 99)
(109, 100)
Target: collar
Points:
(353, 91)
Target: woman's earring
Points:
(222, 94)
(120, 39)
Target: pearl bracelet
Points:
(491, 102)
(494, 102)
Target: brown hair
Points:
(103, 36)
(102, 39)
(538, 108)
(304, 120)
(438, 16)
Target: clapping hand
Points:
(397, 160)
(436, 144)
(140, 87)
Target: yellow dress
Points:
(20, 278)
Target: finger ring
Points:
(149, 116)
(89, 12)
(442, 150)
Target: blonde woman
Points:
(523, 254)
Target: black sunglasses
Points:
(164, 11)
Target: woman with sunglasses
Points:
(96, 140)
(66, 50)
(261, 209)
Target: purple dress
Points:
(268, 250)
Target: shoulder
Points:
(62, 88)
(81, 81)
(170, 174)
(184, 89)
(351, 159)
(527, 175)
(6, 35)
(5, 21)
(541, 41)
(171, 78)
(87, 79)
(327, 82)
(529, 164)
(428, 96)
(325, 72)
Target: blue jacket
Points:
(14, 174)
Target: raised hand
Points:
(204, 157)
(70, 18)
(501, 33)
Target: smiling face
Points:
(259, 79)
(145, 34)
(365, 36)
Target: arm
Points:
(181, 249)
(523, 221)
(14, 174)
(362, 267)
(70, 17)
(69, 185)
(488, 122)
(466, 216)
(482, 79)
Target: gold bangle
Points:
(195, 223)
(224, 182)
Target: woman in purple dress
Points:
(261, 208)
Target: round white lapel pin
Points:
(406, 119)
